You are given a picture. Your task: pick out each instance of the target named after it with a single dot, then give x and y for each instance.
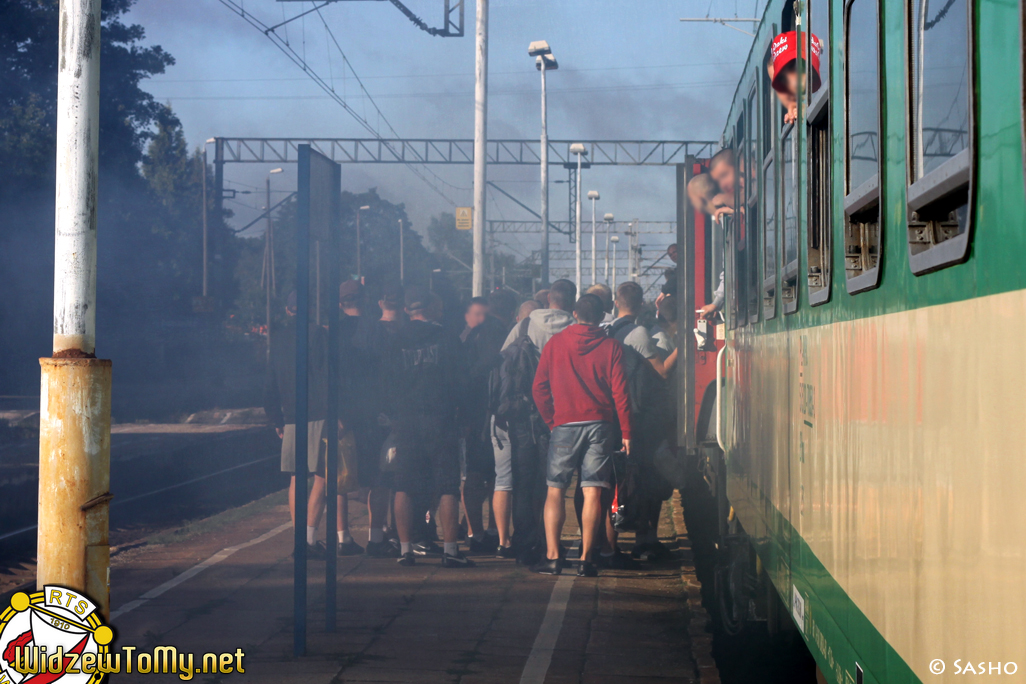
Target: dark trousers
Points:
(530, 443)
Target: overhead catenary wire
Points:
(238, 8)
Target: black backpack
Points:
(510, 394)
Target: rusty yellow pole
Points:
(74, 423)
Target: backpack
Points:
(510, 393)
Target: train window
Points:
(862, 240)
(940, 133)
(739, 224)
(752, 207)
(819, 27)
(769, 237)
(789, 181)
(820, 186)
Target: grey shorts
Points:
(588, 446)
(503, 459)
(314, 448)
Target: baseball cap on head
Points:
(417, 298)
(784, 51)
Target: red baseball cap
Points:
(784, 50)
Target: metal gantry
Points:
(461, 151)
(565, 227)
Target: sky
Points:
(627, 70)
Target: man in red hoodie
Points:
(581, 391)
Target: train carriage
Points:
(866, 438)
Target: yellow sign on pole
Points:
(464, 218)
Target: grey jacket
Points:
(544, 324)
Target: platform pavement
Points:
(423, 624)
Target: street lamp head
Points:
(550, 62)
(614, 239)
(538, 47)
(579, 149)
(608, 218)
(210, 140)
(593, 194)
(365, 208)
(275, 170)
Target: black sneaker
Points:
(457, 561)
(548, 567)
(618, 561)
(427, 549)
(479, 545)
(381, 549)
(407, 560)
(349, 548)
(587, 569)
(316, 551)
(505, 552)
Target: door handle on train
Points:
(719, 397)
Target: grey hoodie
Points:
(544, 324)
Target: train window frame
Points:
(752, 195)
(769, 266)
(820, 219)
(864, 203)
(817, 102)
(954, 178)
(789, 269)
(737, 251)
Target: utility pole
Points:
(580, 150)
(609, 222)
(205, 220)
(74, 429)
(480, 146)
(402, 255)
(593, 195)
(267, 268)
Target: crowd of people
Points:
(505, 412)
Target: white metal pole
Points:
(402, 255)
(594, 245)
(480, 146)
(359, 266)
(613, 286)
(577, 228)
(74, 429)
(608, 223)
(544, 179)
(205, 220)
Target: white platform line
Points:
(195, 570)
(537, 665)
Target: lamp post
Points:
(609, 224)
(210, 140)
(544, 61)
(593, 195)
(269, 262)
(581, 151)
(402, 255)
(359, 263)
(615, 239)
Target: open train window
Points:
(751, 176)
(739, 235)
(862, 231)
(940, 132)
(768, 195)
(820, 184)
(789, 181)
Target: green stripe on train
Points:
(837, 632)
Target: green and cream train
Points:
(868, 440)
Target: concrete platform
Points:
(494, 623)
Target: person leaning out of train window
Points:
(709, 311)
(783, 70)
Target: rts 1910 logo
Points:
(53, 635)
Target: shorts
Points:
(426, 456)
(503, 450)
(588, 446)
(314, 447)
(480, 458)
(369, 439)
